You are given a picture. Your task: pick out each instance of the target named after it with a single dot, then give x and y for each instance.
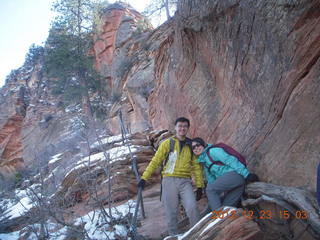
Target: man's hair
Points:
(182, 119)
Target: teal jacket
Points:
(230, 162)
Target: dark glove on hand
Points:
(141, 183)
(198, 194)
(252, 178)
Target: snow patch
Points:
(93, 223)
(113, 154)
(51, 174)
(24, 205)
(107, 140)
(120, 230)
(9, 236)
(55, 158)
(98, 229)
(20, 205)
(184, 235)
(117, 152)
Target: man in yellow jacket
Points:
(177, 172)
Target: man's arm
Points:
(197, 170)
(157, 159)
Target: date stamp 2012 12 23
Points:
(261, 214)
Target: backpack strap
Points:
(189, 144)
(172, 143)
(171, 149)
(211, 159)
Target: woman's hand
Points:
(252, 178)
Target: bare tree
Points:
(156, 7)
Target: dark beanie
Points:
(200, 141)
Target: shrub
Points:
(143, 25)
(34, 54)
(17, 179)
(115, 97)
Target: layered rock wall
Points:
(245, 73)
(14, 100)
(248, 74)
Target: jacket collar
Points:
(206, 148)
(202, 157)
(188, 140)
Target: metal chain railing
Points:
(134, 166)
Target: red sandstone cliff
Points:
(244, 72)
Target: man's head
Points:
(182, 125)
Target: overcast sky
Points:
(23, 22)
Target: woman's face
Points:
(197, 148)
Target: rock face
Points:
(13, 104)
(282, 212)
(81, 181)
(231, 224)
(115, 58)
(30, 123)
(11, 146)
(245, 72)
(118, 23)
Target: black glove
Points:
(198, 194)
(141, 183)
(252, 178)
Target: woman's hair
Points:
(200, 141)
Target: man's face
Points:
(182, 128)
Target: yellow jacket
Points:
(185, 164)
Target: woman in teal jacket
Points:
(228, 177)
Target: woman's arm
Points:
(219, 154)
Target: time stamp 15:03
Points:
(261, 214)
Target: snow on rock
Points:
(96, 225)
(199, 224)
(10, 236)
(120, 151)
(229, 222)
(107, 140)
(23, 206)
(55, 158)
(76, 123)
(92, 158)
(20, 205)
(97, 228)
(113, 154)
(52, 174)
(72, 108)
(226, 212)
